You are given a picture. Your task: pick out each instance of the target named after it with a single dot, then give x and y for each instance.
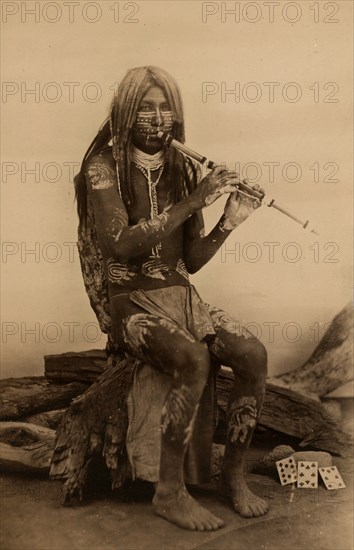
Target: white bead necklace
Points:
(147, 164)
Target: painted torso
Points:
(148, 271)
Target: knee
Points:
(253, 362)
(194, 363)
(260, 360)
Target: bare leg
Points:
(171, 349)
(241, 351)
(243, 411)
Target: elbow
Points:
(119, 248)
(122, 256)
(192, 267)
(124, 251)
(121, 253)
(126, 248)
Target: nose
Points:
(158, 118)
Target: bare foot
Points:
(180, 508)
(246, 503)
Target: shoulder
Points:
(100, 170)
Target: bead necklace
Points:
(147, 164)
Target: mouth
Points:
(152, 133)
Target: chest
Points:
(148, 198)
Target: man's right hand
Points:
(218, 182)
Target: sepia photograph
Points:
(176, 275)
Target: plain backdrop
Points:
(288, 299)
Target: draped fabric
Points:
(93, 271)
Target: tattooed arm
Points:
(122, 241)
(199, 249)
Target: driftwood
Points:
(331, 364)
(48, 419)
(75, 367)
(25, 446)
(25, 396)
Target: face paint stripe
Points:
(146, 122)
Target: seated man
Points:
(145, 204)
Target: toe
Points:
(220, 522)
(257, 512)
(208, 525)
(209, 522)
(246, 512)
(215, 524)
(262, 506)
(199, 526)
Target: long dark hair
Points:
(118, 127)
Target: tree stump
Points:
(95, 426)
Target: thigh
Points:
(159, 342)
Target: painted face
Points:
(154, 114)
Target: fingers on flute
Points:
(227, 189)
(217, 169)
(258, 188)
(222, 168)
(229, 179)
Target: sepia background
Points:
(73, 63)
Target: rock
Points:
(324, 459)
(267, 466)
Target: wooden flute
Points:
(244, 187)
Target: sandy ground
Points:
(33, 518)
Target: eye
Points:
(165, 107)
(145, 107)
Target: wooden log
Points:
(48, 419)
(25, 447)
(331, 364)
(84, 366)
(25, 396)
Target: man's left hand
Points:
(239, 206)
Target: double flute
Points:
(171, 142)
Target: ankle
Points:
(166, 489)
(233, 466)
